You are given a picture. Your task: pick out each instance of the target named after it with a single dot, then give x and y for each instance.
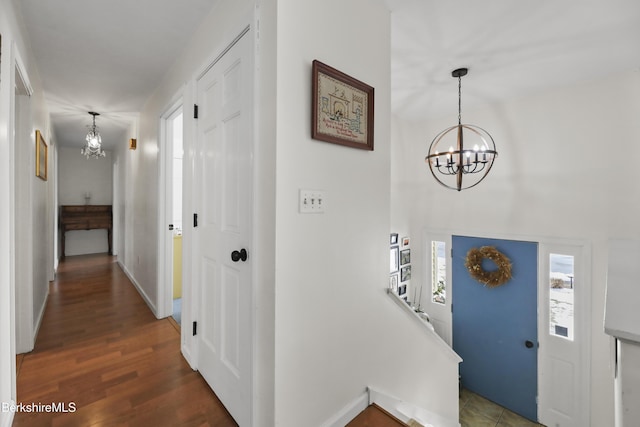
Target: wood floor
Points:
(374, 416)
(102, 351)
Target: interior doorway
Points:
(175, 147)
(170, 193)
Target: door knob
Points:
(528, 344)
(239, 255)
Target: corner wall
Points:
(337, 331)
(42, 223)
(563, 171)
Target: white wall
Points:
(13, 41)
(565, 169)
(42, 206)
(77, 177)
(336, 329)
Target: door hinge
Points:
(195, 328)
(170, 226)
(195, 111)
(195, 220)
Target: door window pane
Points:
(561, 292)
(439, 272)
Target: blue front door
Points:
(495, 329)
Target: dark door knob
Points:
(528, 344)
(239, 255)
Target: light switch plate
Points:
(311, 201)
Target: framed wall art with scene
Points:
(342, 108)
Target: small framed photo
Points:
(405, 257)
(405, 273)
(393, 282)
(394, 239)
(405, 242)
(394, 259)
(402, 289)
(342, 109)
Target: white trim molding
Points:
(349, 411)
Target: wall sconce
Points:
(133, 143)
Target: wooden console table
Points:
(85, 217)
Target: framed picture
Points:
(342, 109)
(394, 239)
(405, 242)
(393, 260)
(405, 257)
(405, 273)
(393, 282)
(402, 289)
(41, 156)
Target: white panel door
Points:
(223, 234)
(564, 317)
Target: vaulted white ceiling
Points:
(512, 48)
(108, 56)
(105, 56)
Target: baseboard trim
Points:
(40, 317)
(186, 353)
(349, 412)
(405, 411)
(144, 296)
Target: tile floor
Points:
(476, 411)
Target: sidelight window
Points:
(561, 295)
(439, 272)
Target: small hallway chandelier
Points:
(93, 147)
(455, 162)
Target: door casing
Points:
(165, 203)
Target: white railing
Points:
(423, 319)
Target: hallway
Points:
(101, 351)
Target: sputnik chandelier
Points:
(455, 162)
(93, 147)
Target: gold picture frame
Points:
(42, 156)
(342, 109)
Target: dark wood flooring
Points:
(101, 351)
(374, 416)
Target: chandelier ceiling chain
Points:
(459, 99)
(93, 146)
(450, 166)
